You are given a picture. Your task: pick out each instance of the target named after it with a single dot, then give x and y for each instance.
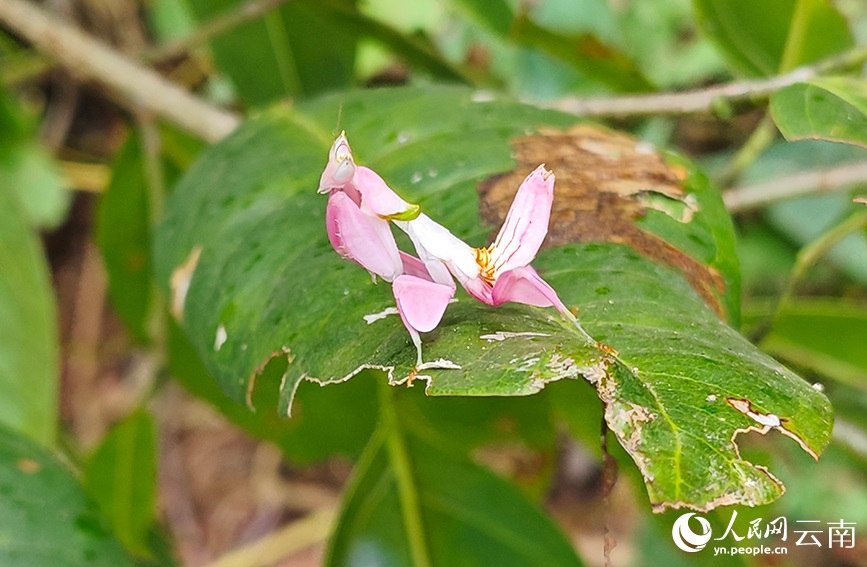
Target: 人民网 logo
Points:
(685, 538)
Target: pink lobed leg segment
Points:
(361, 238)
(524, 285)
(421, 304)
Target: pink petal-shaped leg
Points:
(361, 238)
(421, 304)
(377, 198)
(526, 223)
(524, 285)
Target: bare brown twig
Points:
(138, 86)
(707, 99)
(798, 184)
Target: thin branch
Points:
(138, 86)
(810, 254)
(806, 258)
(218, 25)
(798, 184)
(706, 100)
(404, 478)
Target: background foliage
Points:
(444, 98)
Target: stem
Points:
(154, 176)
(760, 139)
(706, 100)
(609, 479)
(395, 445)
(138, 86)
(808, 256)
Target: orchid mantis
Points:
(360, 206)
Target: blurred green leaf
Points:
(28, 170)
(121, 478)
(850, 423)
(409, 501)
(123, 236)
(124, 221)
(227, 256)
(663, 39)
(469, 422)
(292, 51)
(45, 517)
(170, 19)
(825, 335)
(494, 16)
(826, 108)
(312, 434)
(414, 50)
(766, 258)
(28, 328)
(585, 53)
(654, 540)
(833, 488)
(519, 432)
(767, 37)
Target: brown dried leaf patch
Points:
(604, 183)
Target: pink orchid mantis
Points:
(359, 208)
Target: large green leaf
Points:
(685, 384)
(45, 518)
(411, 503)
(121, 478)
(763, 38)
(826, 108)
(28, 329)
(244, 255)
